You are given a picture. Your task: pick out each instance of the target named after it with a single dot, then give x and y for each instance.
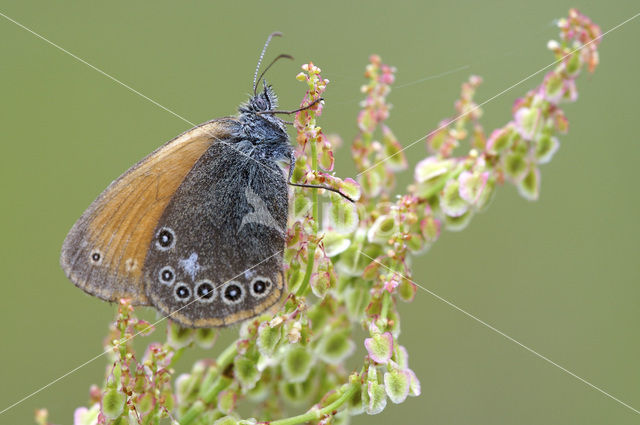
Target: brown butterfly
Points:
(196, 228)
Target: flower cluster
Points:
(347, 264)
(135, 391)
(376, 160)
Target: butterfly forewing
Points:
(105, 250)
(215, 257)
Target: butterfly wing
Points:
(216, 256)
(104, 253)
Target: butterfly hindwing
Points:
(216, 253)
(104, 253)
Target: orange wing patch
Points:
(105, 250)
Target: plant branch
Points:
(315, 413)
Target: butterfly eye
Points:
(260, 287)
(261, 104)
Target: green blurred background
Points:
(560, 275)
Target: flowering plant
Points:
(348, 267)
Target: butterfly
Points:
(196, 228)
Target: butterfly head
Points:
(263, 101)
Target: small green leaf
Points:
(393, 152)
(500, 140)
(382, 229)
(335, 243)
(573, 64)
(529, 186)
(451, 202)
(375, 398)
(528, 122)
(113, 402)
(301, 205)
(515, 166)
(430, 228)
(407, 290)
(324, 278)
(371, 181)
(246, 372)
(297, 363)
(414, 384)
(297, 393)
(553, 86)
(379, 347)
(456, 224)
(268, 339)
(226, 420)
(472, 185)
(430, 168)
(206, 337)
(335, 346)
(325, 156)
(487, 194)
(177, 336)
(436, 140)
(343, 214)
(546, 147)
(351, 188)
(396, 384)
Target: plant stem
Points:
(209, 392)
(319, 413)
(315, 213)
(386, 299)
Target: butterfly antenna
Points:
(264, 50)
(257, 83)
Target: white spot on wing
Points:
(190, 265)
(130, 265)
